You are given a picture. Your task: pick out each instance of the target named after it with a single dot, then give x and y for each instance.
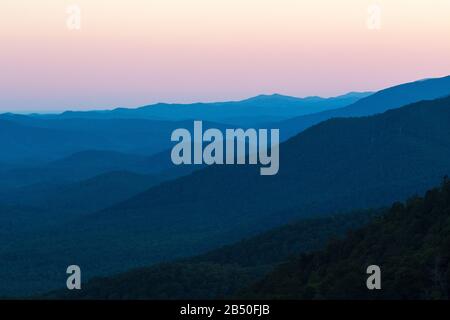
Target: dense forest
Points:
(320, 258)
(225, 271)
(411, 244)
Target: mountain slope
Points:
(411, 244)
(390, 98)
(14, 218)
(222, 272)
(39, 144)
(75, 167)
(88, 164)
(82, 197)
(32, 138)
(338, 165)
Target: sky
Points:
(135, 52)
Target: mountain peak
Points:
(271, 97)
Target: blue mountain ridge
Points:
(367, 162)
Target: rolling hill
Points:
(31, 140)
(27, 144)
(81, 197)
(75, 167)
(88, 164)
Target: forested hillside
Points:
(225, 271)
(411, 244)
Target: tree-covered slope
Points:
(224, 271)
(381, 101)
(411, 245)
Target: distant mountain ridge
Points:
(381, 101)
(146, 130)
(249, 112)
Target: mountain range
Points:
(249, 112)
(37, 138)
(42, 138)
(383, 100)
(367, 163)
(98, 189)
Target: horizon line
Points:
(112, 108)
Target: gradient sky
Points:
(136, 52)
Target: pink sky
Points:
(136, 52)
